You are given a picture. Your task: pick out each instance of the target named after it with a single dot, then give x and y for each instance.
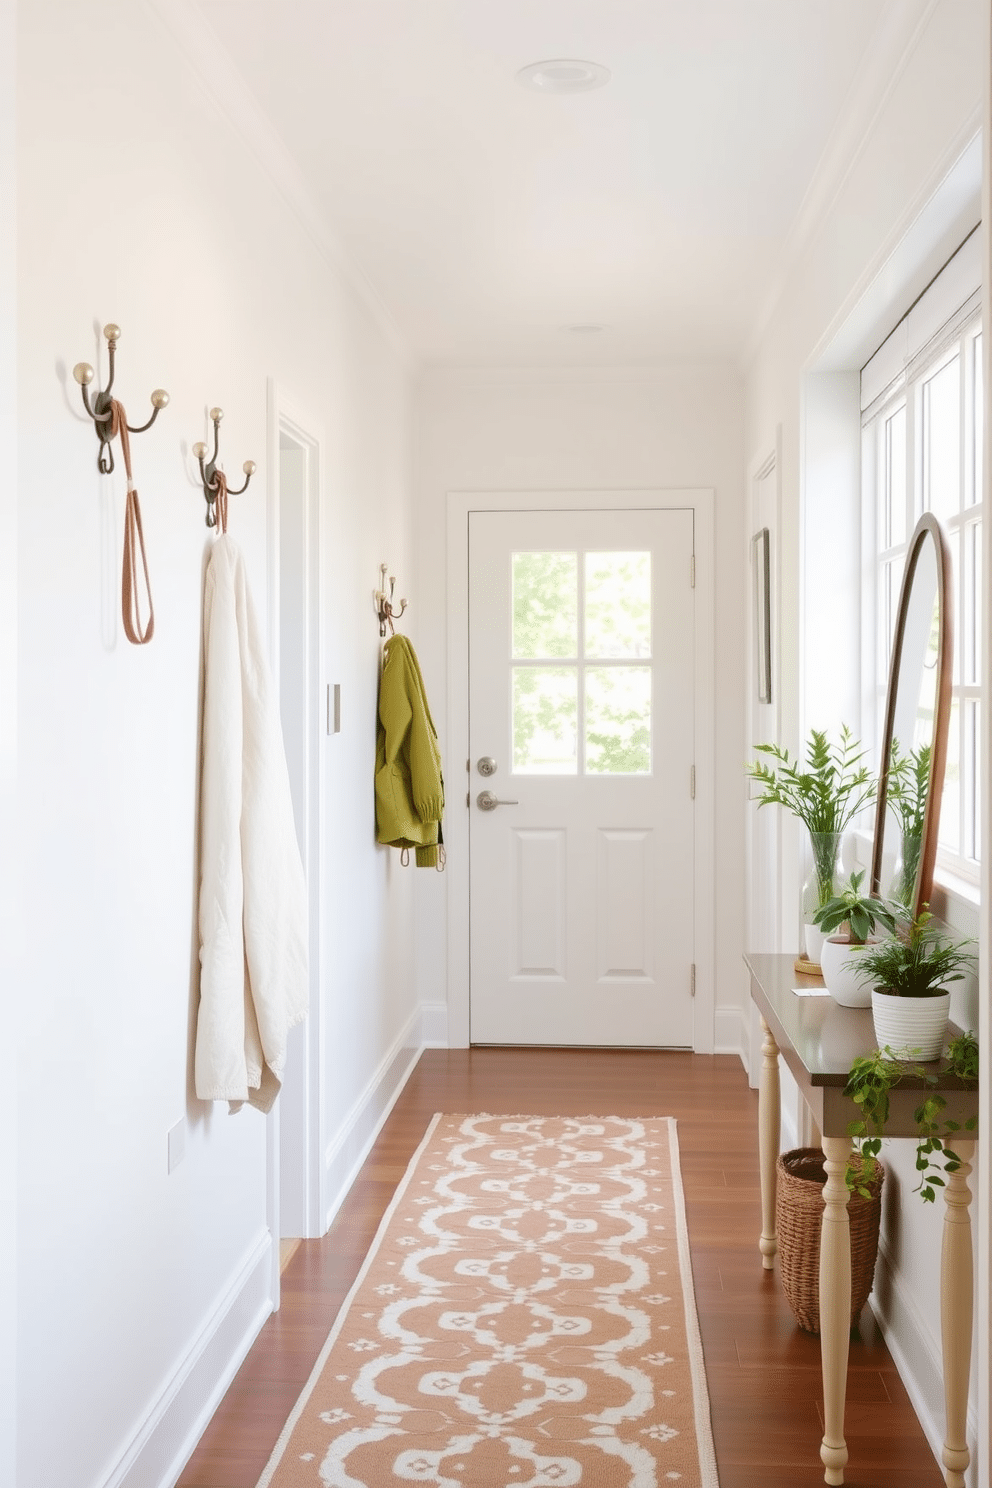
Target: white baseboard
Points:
(910, 1345)
(427, 1026)
(434, 1025)
(162, 1446)
(730, 1033)
(163, 1443)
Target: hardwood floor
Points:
(763, 1372)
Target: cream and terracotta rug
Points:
(525, 1317)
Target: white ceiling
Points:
(489, 219)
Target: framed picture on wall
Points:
(761, 580)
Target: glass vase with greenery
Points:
(826, 790)
(906, 793)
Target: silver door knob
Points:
(486, 765)
(486, 801)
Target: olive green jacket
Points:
(409, 787)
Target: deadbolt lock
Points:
(487, 765)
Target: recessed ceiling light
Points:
(586, 328)
(563, 75)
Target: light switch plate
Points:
(177, 1144)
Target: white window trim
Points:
(943, 321)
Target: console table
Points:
(819, 1040)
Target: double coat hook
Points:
(99, 407)
(214, 481)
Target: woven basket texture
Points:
(798, 1213)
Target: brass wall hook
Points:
(384, 602)
(99, 407)
(208, 470)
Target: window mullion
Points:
(580, 680)
(915, 457)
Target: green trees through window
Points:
(596, 617)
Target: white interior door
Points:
(581, 676)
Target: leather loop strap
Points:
(220, 501)
(134, 541)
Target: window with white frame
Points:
(922, 451)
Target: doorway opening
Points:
(582, 649)
(462, 507)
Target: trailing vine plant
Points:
(870, 1081)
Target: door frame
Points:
(284, 416)
(460, 504)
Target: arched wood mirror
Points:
(917, 716)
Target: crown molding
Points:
(929, 233)
(895, 38)
(227, 88)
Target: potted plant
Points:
(908, 974)
(871, 1080)
(854, 916)
(825, 791)
(908, 784)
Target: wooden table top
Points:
(819, 1040)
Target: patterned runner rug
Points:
(525, 1317)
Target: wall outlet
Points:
(177, 1144)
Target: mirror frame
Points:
(928, 529)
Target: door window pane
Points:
(942, 440)
(618, 720)
(545, 605)
(618, 604)
(545, 720)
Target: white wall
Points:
(595, 431)
(141, 202)
(9, 867)
(898, 212)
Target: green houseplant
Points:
(909, 974)
(824, 791)
(870, 1083)
(847, 921)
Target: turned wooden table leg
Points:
(835, 1305)
(956, 1295)
(769, 1124)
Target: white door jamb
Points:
(456, 829)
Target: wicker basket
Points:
(798, 1214)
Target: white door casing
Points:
(580, 683)
(701, 868)
(296, 1171)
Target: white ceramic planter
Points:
(912, 1027)
(839, 965)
